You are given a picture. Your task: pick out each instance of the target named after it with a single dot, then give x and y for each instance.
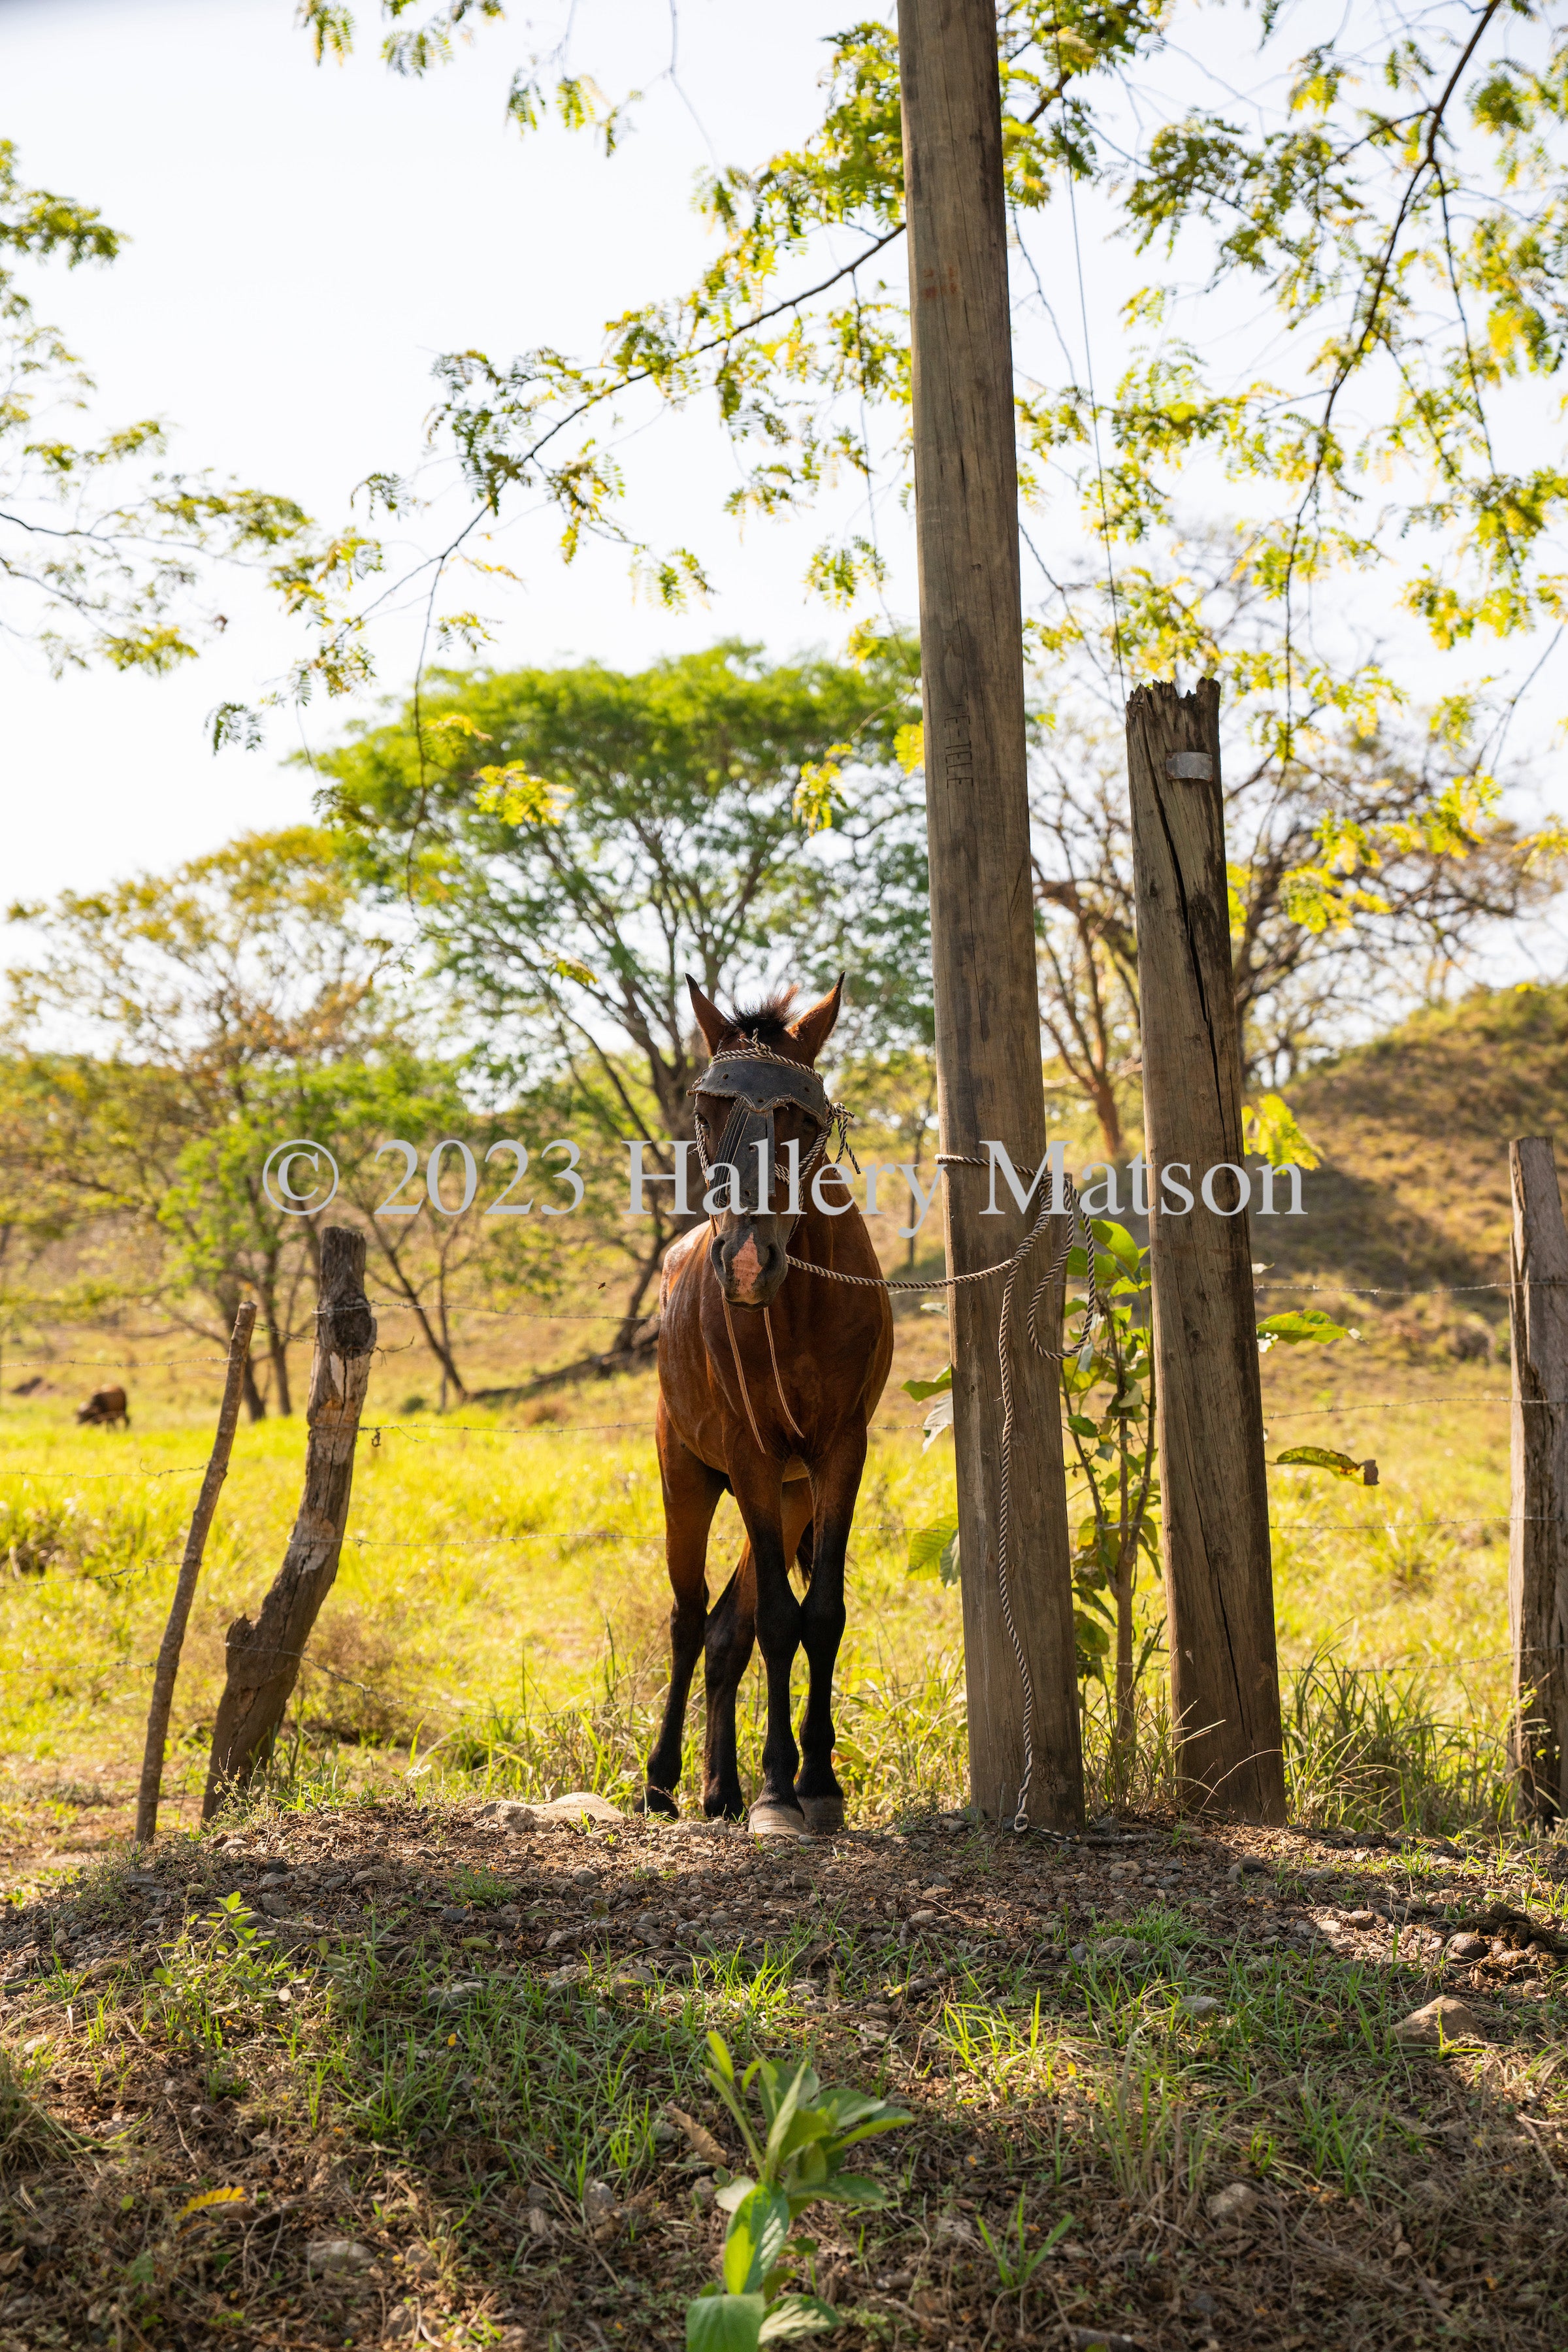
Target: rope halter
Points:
(757, 1083)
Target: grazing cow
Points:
(105, 1409)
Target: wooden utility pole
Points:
(174, 1642)
(983, 944)
(264, 1658)
(1538, 1535)
(1219, 1584)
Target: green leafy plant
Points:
(1108, 1387)
(1326, 1457)
(799, 2159)
(1016, 2260)
(1299, 1326)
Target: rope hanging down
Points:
(1010, 1267)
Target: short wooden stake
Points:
(1219, 1585)
(264, 1658)
(168, 1665)
(1538, 1534)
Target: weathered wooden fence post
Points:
(1219, 1586)
(174, 1642)
(264, 1658)
(983, 941)
(1538, 1535)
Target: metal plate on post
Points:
(1190, 767)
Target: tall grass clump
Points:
(1374, 1747)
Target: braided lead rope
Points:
(1078, 1216)
(740, 1373)
(778, 1384)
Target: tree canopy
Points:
(103, 553)
(1389, 207)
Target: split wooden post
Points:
(982, 901)
(1538, 1535)
(168, 1666)
(264, 1658)
(1219, 1586)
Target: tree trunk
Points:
(255, 1402)
(1219, 1584)
(264, 1658)
(173, 1639)
(982, 942)
(278, 1351)
(1538, 1534)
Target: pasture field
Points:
(360, 2065)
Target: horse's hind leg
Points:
(732, 1631)
(816, 1788)
(691, 1493)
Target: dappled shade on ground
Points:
(426, 2070)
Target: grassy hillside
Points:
(1413, 1131)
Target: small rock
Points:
(953, 2229)
(504, 1813)
(374, 1877)
(579, 1805)
(337, 2256)
(1466, 1946)
(455, 1995)
(1122, 1951)
(560, 1978)
(275, 1905)
(1200, 2004)
(599, 2201)
(1442, 2020)
(1079, 1955)
(538, 2222)
(1232, 2204)
(559, 1936)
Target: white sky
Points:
(306, 240)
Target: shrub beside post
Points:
(1538, 1532)
(264, 1658)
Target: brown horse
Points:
(768, 1378)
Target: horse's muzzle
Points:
(751, 1258)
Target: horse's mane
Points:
(767, 1022)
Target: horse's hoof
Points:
(769, 1817)
(658, 1803)
(823, 1814)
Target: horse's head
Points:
(759, 1095)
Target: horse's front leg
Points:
(691, 1493)
(759, 1492)
(837, 1483)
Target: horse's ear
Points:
(815, 1026)
(709, 1020)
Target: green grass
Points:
(499, 1618)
